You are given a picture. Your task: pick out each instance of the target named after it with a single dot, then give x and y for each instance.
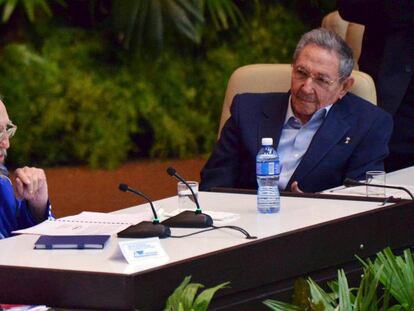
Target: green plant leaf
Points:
(203, 300)
(319, 296)
(30, 6)
(188, 295)
(397, 276)
(139, 19)
(183, 297)
(281, 306)
(8, 9)
(173, 302)
(343, 291)
(223, 12)
(182, 21)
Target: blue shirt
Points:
(295, 140)
(14, 213)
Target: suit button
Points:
(408, 68)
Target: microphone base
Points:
(189, 219)
(145, 229)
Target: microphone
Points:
(348, 182)
(188, 219)
(144, 229)
(172, 172)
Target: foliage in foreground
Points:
(184, 297)
(387, 284)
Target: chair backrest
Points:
(352, 33)
(265, 78)
(335, 23)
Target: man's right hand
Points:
(294, 187)
(31, 185)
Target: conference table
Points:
(312, 235)
(402, 177)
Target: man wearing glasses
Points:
(32, 206)
(323, 134)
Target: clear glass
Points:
(185, 197)
(377, 178)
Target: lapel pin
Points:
(347, 140)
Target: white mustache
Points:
(306, 97)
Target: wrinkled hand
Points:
(31, 185)
(295, 187)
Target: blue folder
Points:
(71, 241)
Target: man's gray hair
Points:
(331, 41)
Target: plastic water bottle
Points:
(267, 174)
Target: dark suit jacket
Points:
(387, 52)
(329, 158)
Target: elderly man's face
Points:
(4, 141)
(315, 81)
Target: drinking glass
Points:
(185, 197)
(377, 178)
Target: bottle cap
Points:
(267, 141)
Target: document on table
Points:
(362, 191)
(88, 223)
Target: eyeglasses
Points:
(10, 130)
(301, 74)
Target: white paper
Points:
(87, 223)
(143, 251)
(362, 191)
(96, 217)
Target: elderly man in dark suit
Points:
(322, 133)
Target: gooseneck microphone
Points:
(188, 219)
(172, 172)
(126, 188)
(144, 229)
(348, 182)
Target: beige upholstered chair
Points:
(263, 78)
(353, 37)
(352, 33)
(335, 23)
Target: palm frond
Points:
(224, 13)
(139, 19)
(30, 7)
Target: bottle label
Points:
(269, 168)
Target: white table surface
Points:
(401, 177)
(295, 213)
